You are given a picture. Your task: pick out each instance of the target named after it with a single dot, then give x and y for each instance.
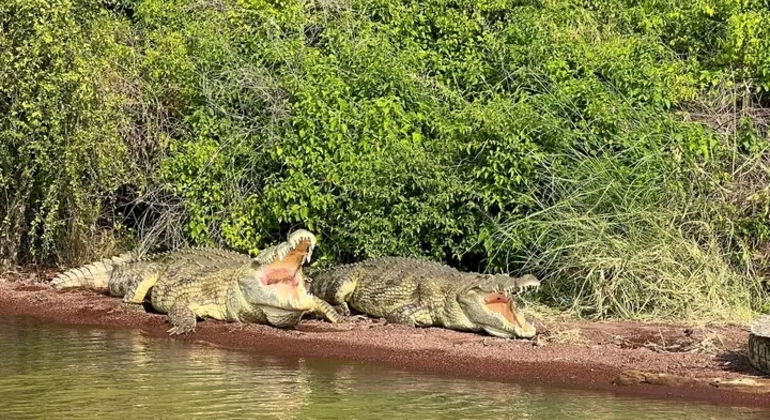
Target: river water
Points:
(50, 371)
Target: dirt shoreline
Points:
(626, 358)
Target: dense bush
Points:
(618, 149)
(60, 148)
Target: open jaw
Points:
(282, 269)
(502, 306)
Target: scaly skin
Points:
(205, 282)
(422, 293)
(134, 281)
(759, 344)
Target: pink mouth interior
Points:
(285, 271)
(500, 303)
(285, 282)
(283, 276)
(280, 276)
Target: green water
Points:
(57, 372)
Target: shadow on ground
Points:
(737, 361)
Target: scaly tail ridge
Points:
(92, 276)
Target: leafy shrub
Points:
(60, 148)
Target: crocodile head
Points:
(276, 283)
(489, 304)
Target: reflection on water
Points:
(52, 371)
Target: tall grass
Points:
(634, 240)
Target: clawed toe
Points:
(127, 308)
(178, 330)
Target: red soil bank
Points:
(582, 355)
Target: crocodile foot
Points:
(125, 307)
(238, 326)
(342, 309)
(180, 330)
(182, 320)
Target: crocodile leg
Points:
(182, 319)
(137, 290)
(128, 308)
(413, 314)
(336, 290)
(328, 312)
(342, 309)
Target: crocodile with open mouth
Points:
(197, 283)
(424, 293)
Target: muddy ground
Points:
(629, 358)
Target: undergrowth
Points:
(614, 241)
(617, 149)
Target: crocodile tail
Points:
(93, 276)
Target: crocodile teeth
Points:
(521, 288)
(300, 236)
(282, 251)
(279, 252)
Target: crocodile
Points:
(759, 344)
(424, 293)
(213, 283)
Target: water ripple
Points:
(51, 371)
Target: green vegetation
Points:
(617, 149)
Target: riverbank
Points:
(629, 358)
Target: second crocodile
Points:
(423, 293)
